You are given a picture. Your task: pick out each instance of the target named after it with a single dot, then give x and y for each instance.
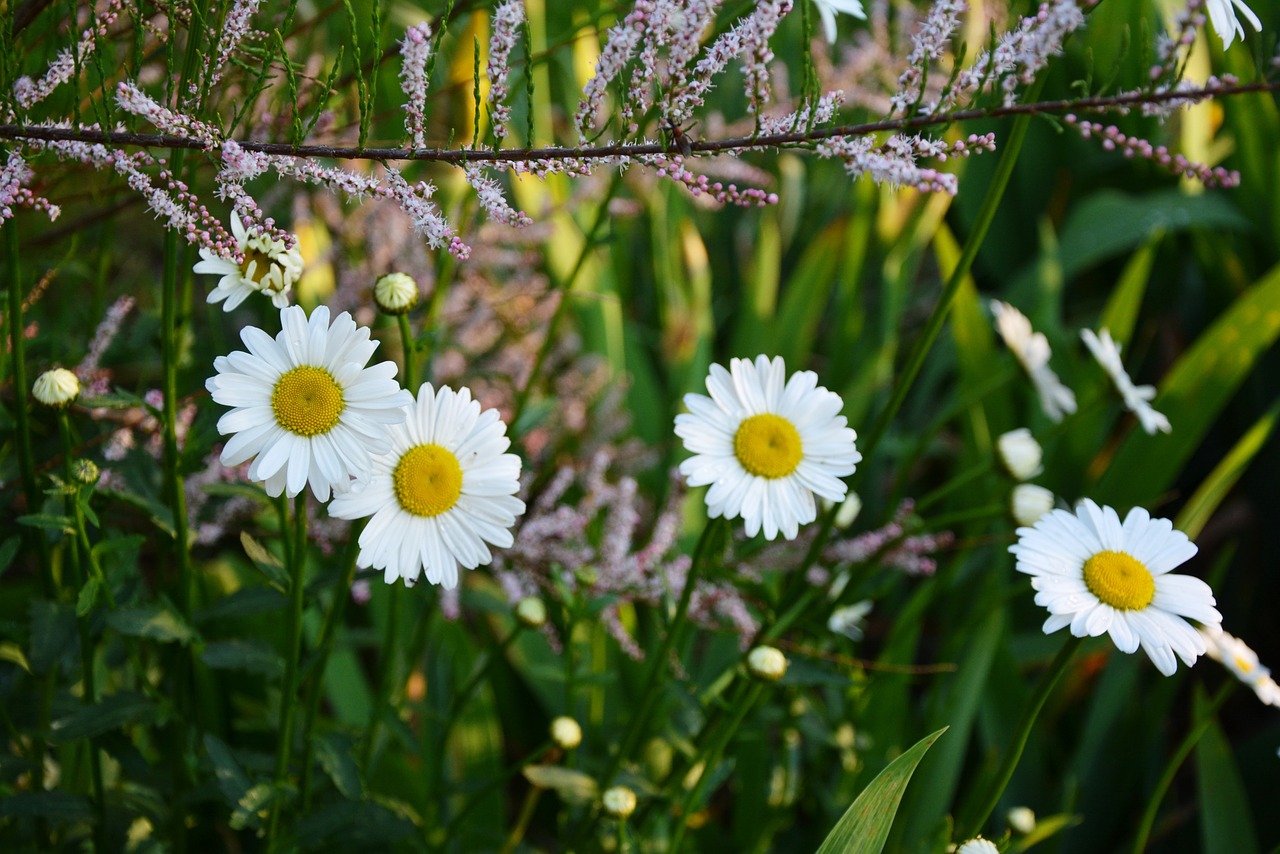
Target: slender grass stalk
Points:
(314, 682)
(522, 822)
(170, 338)
(31, 491)
(1018, 741)
(493, 783)
(649, 692)
(711, 756)
(293, 633)
(87, 650)
(1180, 755)
(387, 675)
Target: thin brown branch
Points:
(706, 146)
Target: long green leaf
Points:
(1226, 826)
(865, 826)
(1196, 512)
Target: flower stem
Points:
(410, 354)
(293, 651)
(86, 639)
(314, 682)
(388, 665)
(1018, 742)
(659, 662)
(1175, 762)
(720, 740)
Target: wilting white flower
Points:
(1098, 575)
(766, 444)
(1225, 23)
(1238, 657)
(827, 10)
(269, 266)
(1137, 399)
(1032, 351)
(848, 620)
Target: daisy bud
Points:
(531, 613)
(1021, 820)
(1028, 502)
(57, 388)
(766, 663)
(565, 732)
(395, 293)
(1019, 453)
(848, 511)
(619, 802)
(85, 472)
(978, 845)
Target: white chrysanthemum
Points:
(1225, 22)
(1137, 398)
(1020, 453)
(827, 10)
(1098, 576)
(446, 489)
(269, 266)
(306, 409)
(978, 845)
(766, 445)
(1032, 351)
(56, 387)
(1238, 657)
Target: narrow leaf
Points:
(865, 826)
(107, 714)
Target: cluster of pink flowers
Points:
(507, 20)
(415, 51)
(1114, 139)
(28, 92)
(673, 167)
(13, 175)
(235, 27)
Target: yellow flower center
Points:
(427, 480)
(259, 272)
(768, 446)
(307, 401)
(1244, 665)
(1119, 580)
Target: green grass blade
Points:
(865, 826)
(1226, 826)
(1196, 512)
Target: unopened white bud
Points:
(848, 511)
(766, 663)
(1019, 453)
(566, 733)
(618, 802)
(531, 613)
(978, 845)
(1021, 820)
(56, 388)
(1028, 502)
(395, 293)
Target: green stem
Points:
(410, 354)
(479, 794)
(387, 669)
(719, 743)
(314, 681)
(659, 662)
(169, 338)
(1175, 762)
(293, 651)
(565, 288)
(1018, 742)
(1010, 147)
(86, 639)
(522, 822)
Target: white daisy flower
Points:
(269, 266)
(1225, 22)
(1032, 351)
(1098, 575)
(445, 489)
(306, 409)
(1238, 657)
(766, 445)
(827, 10)
(1137, 398)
